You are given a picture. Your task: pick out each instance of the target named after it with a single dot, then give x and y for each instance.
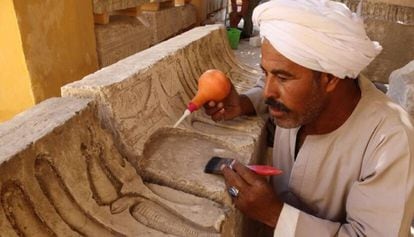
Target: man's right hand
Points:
(232, 106)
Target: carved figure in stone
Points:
(115, 182)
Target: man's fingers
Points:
(233, 179)
(212, 107)
(245, 173)
(211, 103)
(219, 115)
(211, 111)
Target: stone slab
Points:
(168, 22)
(120, 38)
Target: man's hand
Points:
(234, 105)
(255, 197)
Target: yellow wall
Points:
(58, 41)
(43, 46)
(15, 91)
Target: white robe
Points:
(355, 181)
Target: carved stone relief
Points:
(141, 97)
(69, 180)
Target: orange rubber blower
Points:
(213, 85)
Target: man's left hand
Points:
(252, 194)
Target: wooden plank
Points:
(178, 3)
(133, 11)
(156, 6)
(102, 18)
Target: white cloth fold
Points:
(318, 34)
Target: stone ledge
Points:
(20, 132)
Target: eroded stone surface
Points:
(62, 176)
(189, 152)
(401, 87)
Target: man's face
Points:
(293, 92)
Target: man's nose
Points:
(271, 88)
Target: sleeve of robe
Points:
(379, 204)
(255, 95)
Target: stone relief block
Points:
(386, 10)
(169, 22)
(102, 6)
(140, 98)
(122, 37)
(61, 175)
(401, 87)
(398, 48)
(391, 23)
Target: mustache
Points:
(276, 105)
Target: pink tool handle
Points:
(265, 170)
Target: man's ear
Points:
(330, 82)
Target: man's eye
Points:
(282, 77)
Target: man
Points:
(246, 11)
(346, 150)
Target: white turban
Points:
(318, 34)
